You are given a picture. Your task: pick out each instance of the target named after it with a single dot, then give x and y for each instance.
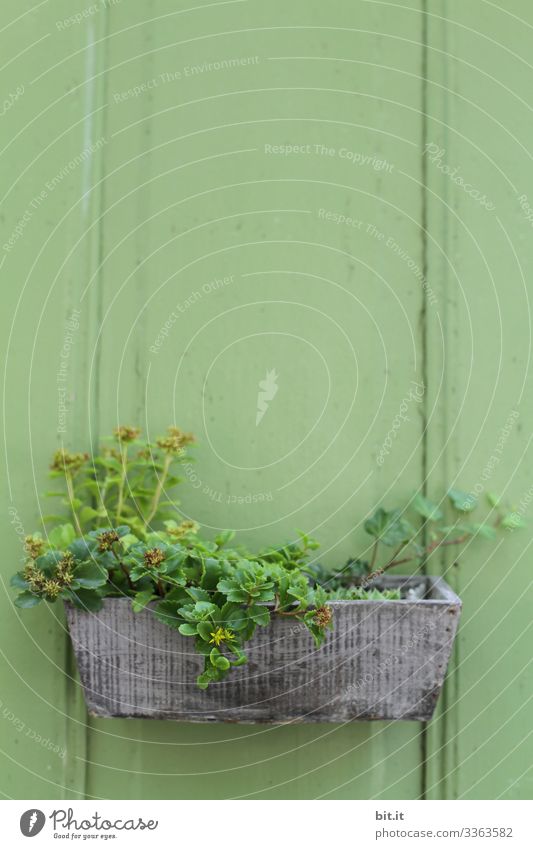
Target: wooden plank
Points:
(479, 432)
(193, 197)
(268, 237)
(49, 165)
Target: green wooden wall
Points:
(147, 183)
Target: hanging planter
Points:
(384, 660)
(168, 625)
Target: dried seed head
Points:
(52, 588)
(175, 442)
(125, 433)
(66, 578)
(33, 546)
(323, 616)
(185, 438)
(170, 445)
(35, 578)
(106, 540)
(64, 569)
(153, 557)
(111, 452)
(64, 461)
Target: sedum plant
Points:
(126, 537)
(131, 480)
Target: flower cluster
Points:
(153, 557)
(221, 635)
(47, 584)
(106, 540)
(65, 461)
(125, 433)
(184, 528)
(175, 442)
(33, 546)
(323, 616)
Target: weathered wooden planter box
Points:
(384, 660)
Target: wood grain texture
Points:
(479, 378)
(384, 660)
(189, 196)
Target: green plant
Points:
(128, 481)
(414, 534)
(126, 538)
(217, 596)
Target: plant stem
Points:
(124, 462)
(127, 576)
(159, 490)
(70, 490)
(124, 570)
(430, 548)
(374, 554)
(395, 555)
(281, 612)
(101, 497)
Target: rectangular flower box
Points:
(383, 660)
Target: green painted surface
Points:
(188, 216)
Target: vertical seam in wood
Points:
(448, 721)
(100, 210)
(423, 326)
(97, 314)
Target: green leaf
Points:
(202, 609)
(47, 562)
(205, 630)
(233, 616)
(389, 527)
(223, 538)
(62, 536)
(138, 572)
(512, 521)
(128, 540)
(86, 599)
(485, 531)
(27, 599)
(241, 658)
(426, 508)
(218, 660)
(493, 499)
(187, 630)
(259, 614)
(462, 501)
(166, 613)
(198, 594)
(81, 548)
(141, 599)
(90, 575)
(377, 523)
(18, 581)
(87, 513)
